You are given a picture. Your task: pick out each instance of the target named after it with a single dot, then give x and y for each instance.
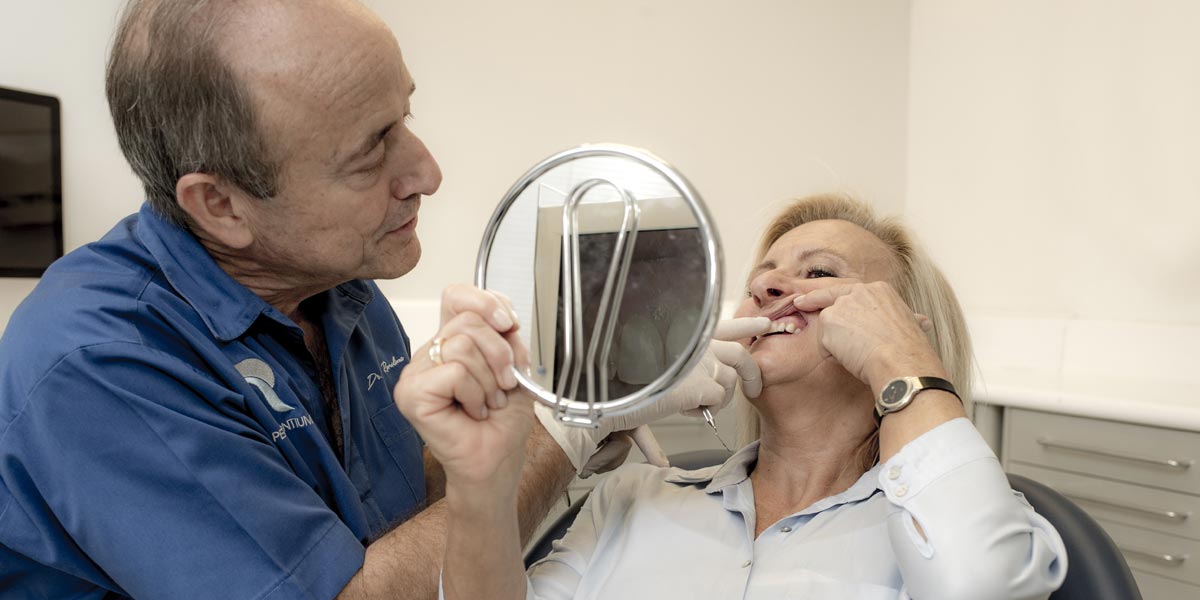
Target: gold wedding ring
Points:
(435, 351)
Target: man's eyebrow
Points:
(370, 142)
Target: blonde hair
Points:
(918, 281)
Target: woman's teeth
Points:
(782, 327)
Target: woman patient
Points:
(829, 500)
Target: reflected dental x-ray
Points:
(659, 310)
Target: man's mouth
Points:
(408, 223)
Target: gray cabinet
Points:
(1141, 483)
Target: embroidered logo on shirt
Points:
(385, 366)
(258, 374)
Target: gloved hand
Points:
(710, 385)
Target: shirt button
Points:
(747, 564)
(785, 529)
(894, 473)
(901, 490)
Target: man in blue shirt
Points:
(202, 403)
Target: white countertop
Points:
(1172, 404)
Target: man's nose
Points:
(423, 175)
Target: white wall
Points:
(1053, 168)
(59, 47)
(753, 102)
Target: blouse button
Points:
(747, 564)
(894, 473)
(785, 529)
(901, 490)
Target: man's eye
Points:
(815, 272)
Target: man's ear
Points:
(216, 208)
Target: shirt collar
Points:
(736, 469)
(227, 307)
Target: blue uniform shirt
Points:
(163, 434)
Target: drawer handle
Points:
(1170, 560)
(1170, 463)
(1161, 513)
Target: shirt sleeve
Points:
(146, 475)
(981, 539)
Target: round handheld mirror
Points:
(614, 270)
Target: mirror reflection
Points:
(659, 311)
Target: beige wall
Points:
(755, 102)
(1054, 154)
(58, 47)
(1054, 169)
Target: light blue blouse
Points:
(649, 532)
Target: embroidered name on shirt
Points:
(384, 366)
(290, 424)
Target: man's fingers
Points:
(458, 299)
(732, 330)
(462, 349)
(648, 444)
(454, 381)
(496, 351)
(736, 356)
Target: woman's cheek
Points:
(746, 308)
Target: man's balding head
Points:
(186, 78)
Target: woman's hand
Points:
(461, 396)
(869, 329)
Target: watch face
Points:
(894, 392)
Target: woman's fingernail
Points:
(501, 399)
(798, 299)
(504, 321)
(483, 413)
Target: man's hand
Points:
(458, 390)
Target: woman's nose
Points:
(770, 286)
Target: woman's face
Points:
(814, 255)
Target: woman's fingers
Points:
(823, 298)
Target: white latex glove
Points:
(710, 385)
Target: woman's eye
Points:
(816, 272)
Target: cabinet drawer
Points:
(1160, 510)
(1154, 456)
(1157, 553)
(1154, 587)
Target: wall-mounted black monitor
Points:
(31, 229)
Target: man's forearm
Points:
(406, 562)
(544, 478)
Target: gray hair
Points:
(179, 108)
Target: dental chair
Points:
(1096, 570)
